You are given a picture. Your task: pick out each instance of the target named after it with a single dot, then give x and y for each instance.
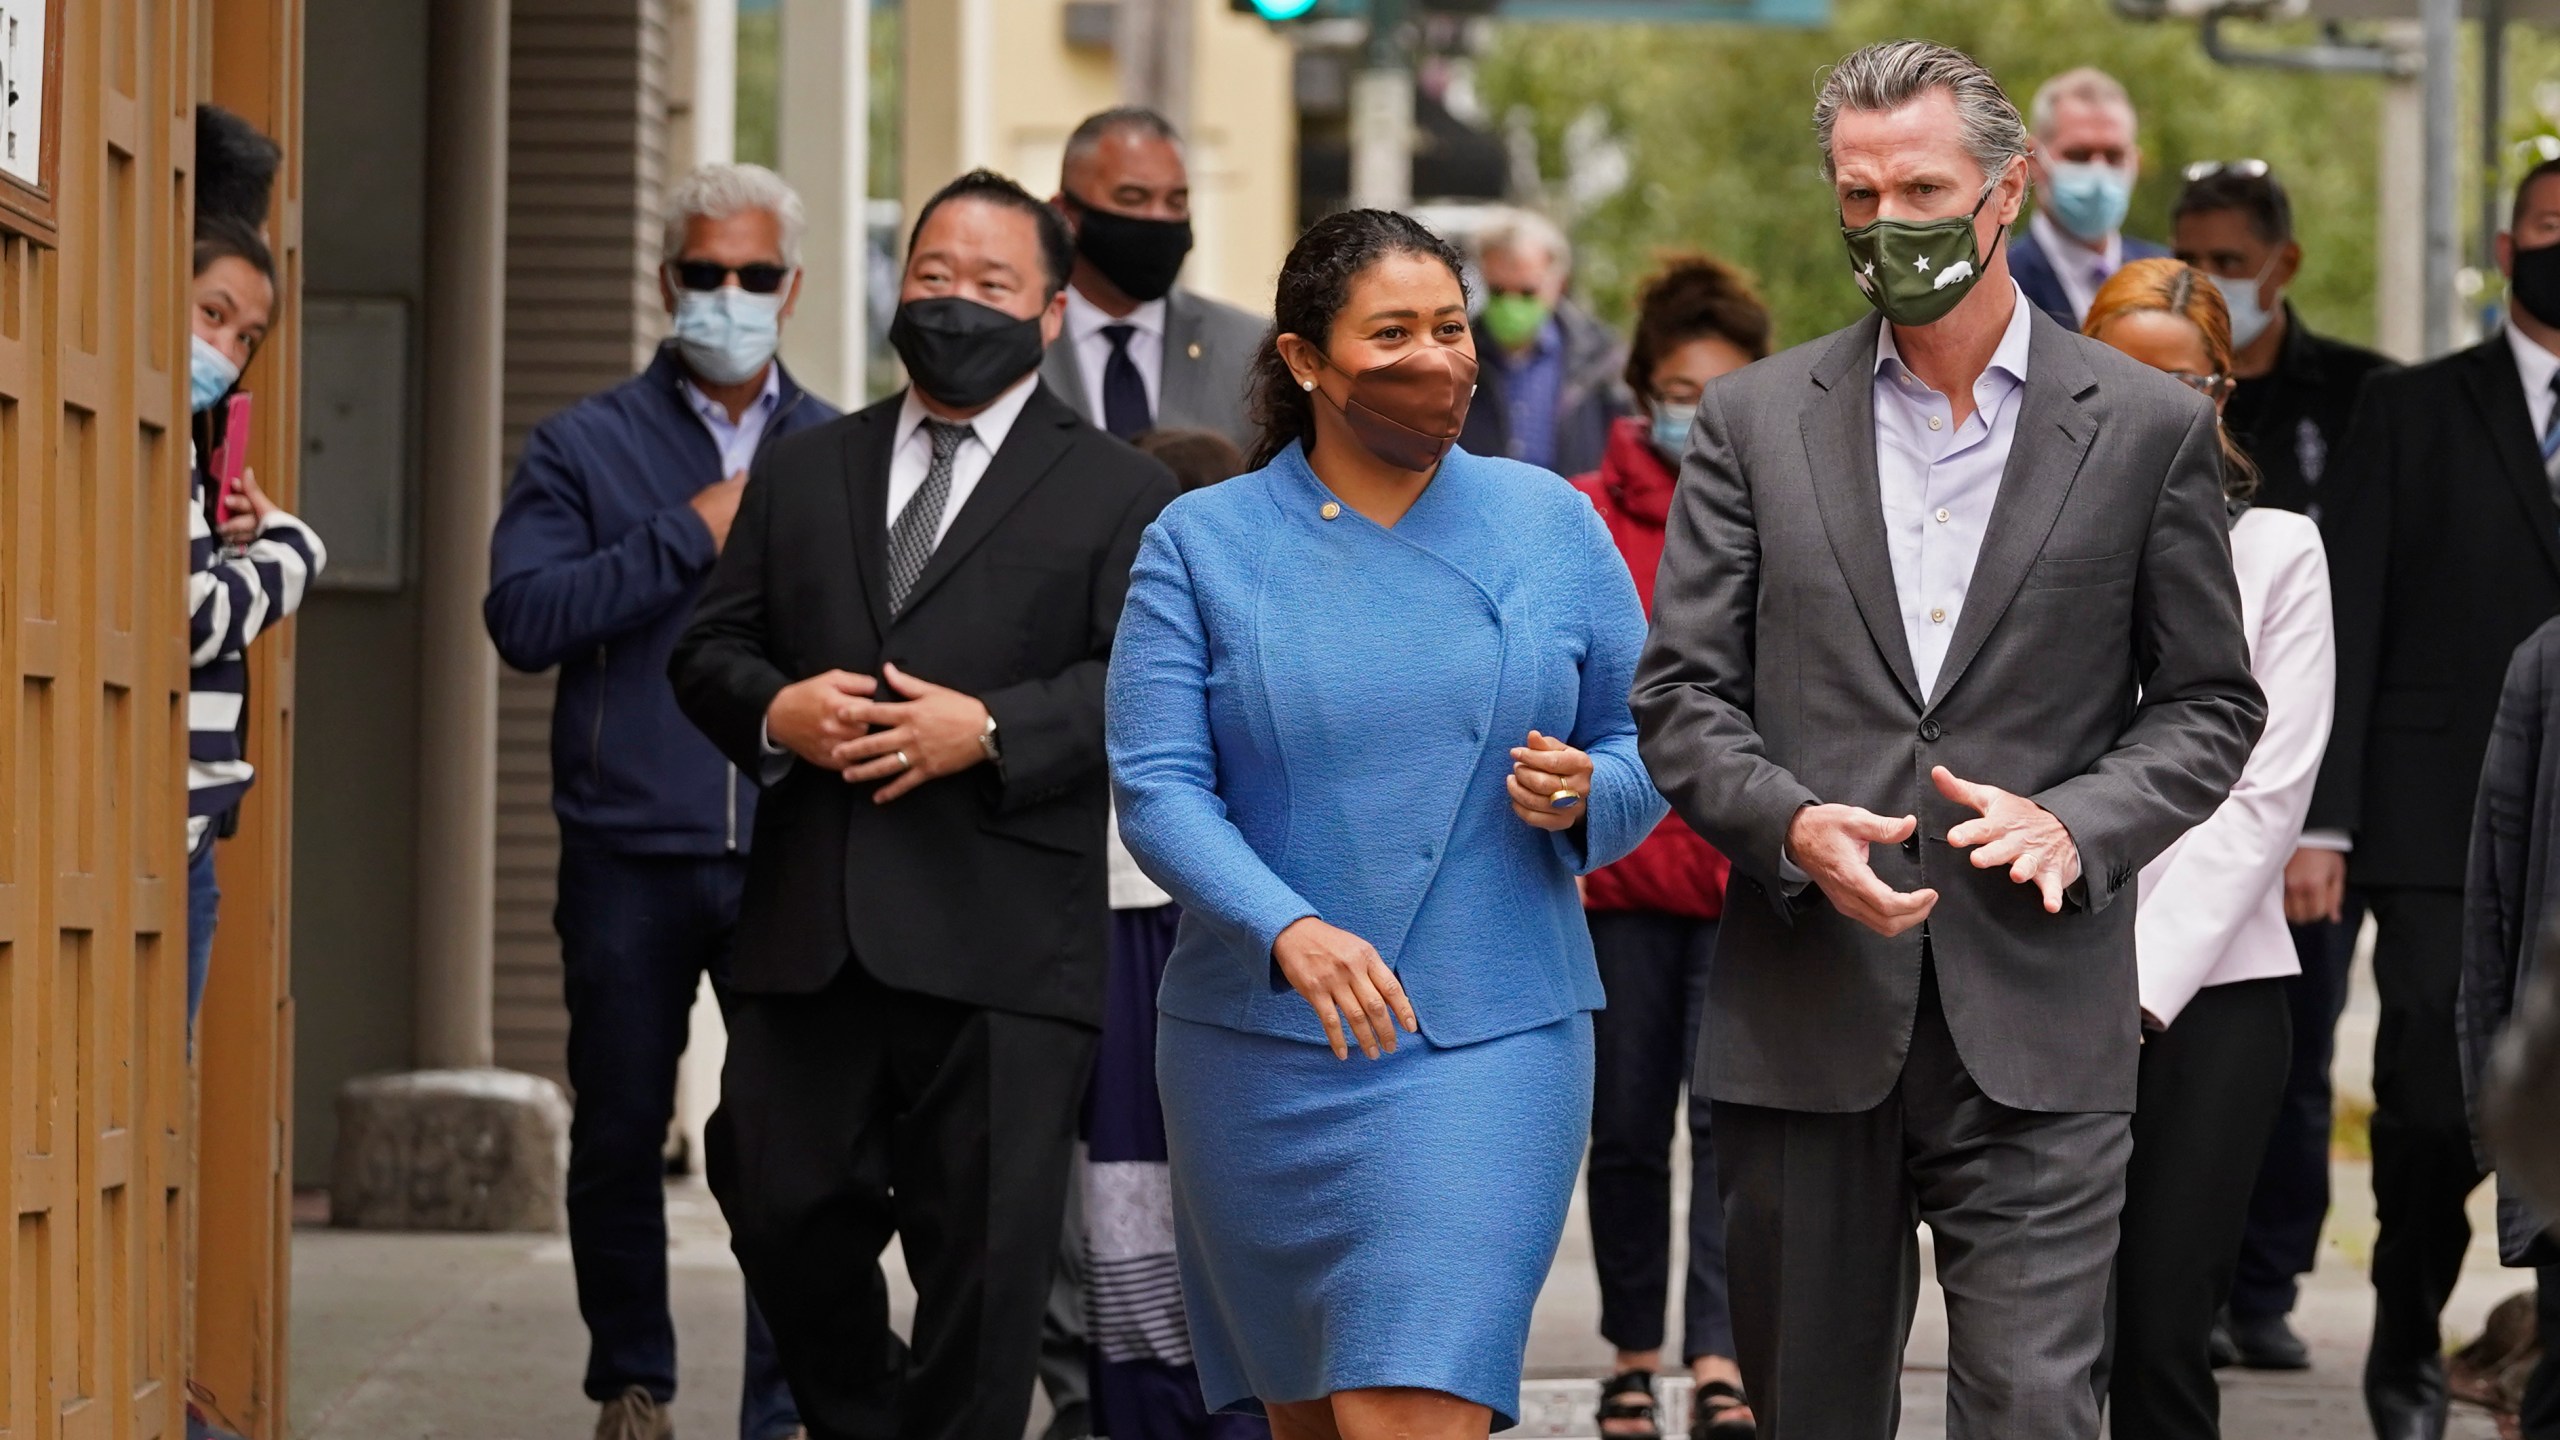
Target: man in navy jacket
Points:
(620, 505)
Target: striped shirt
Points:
(233, 593)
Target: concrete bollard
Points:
(483, 1150)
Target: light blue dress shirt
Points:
(1938, 482)
(737, 438)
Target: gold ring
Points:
(1564, 800)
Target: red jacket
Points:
(1673, 871)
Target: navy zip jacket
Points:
(594, 567)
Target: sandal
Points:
(1714, 1416)
(1627, 1399)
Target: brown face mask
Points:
(1408, 412)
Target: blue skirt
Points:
(1347, 1225)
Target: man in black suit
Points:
(2444, 546)
(905, 639)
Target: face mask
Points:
(1408, 412)
(2536, 283)
(962, 353)
(1671, 429)
(727, 335)
(2089, 200)
(1514, 320)
(1138, 255)
(210, 375)
(2249, 319)
(1915, 271)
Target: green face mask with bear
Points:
(1915, 271)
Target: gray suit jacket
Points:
(1209, 349)
(2099, 667)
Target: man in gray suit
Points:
(1139, 352)
(1946, 645)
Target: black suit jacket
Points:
(2444, 554)
(986, 887)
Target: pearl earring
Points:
(1307, 385)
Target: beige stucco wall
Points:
(993, 82)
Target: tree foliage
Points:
(1718, 121)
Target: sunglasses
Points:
(2210, 387)
(756, 279)
(2237, 169)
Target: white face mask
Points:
(2249, 319)
(728, 334)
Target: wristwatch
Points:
(987, 742)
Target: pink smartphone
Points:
(231, 457)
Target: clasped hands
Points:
(836, 721)
(1830, 844)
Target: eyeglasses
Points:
(2210, 387)
(2236, 169)
(756, 279)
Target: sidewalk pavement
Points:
(476, 1337)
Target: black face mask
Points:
(962, 353)
(1140, 256)
(2536, 283)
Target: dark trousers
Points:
(637, 934)
(204, 906)
(2539, 1415)
(2423, 1167)
(2211, 1085)
(863, 1112)
(1820, 1211)
(1654, 968)
(2291, 1200)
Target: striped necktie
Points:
(2551, 439)
(911, 538)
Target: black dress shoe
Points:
(2219, 1346)
(2267, 1343)
(2409, 1404)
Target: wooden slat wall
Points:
(92, 742)
(250, 61)
(586, 158)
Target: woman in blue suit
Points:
(1368, 720)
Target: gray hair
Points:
(2087, 85)
(1101, 126)
(1893, 74)
(1515, 231)
(720, 190)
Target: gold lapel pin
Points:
(1195, 349)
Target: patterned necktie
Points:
(911, 538)
(2551, 440)
(1124, 390)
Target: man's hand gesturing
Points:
(2016, 832)
(1829, 844)
(810, 719)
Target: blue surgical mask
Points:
(1671, 429)
(210, 375)
(2249, 319)
(2089, 200)
(728, 334)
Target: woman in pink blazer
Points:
(2210, 935)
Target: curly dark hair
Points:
(1315, 283)
(1694, 297)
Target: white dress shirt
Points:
(911, 452)
(1939, 480)
(737, 438)
(2080, 269)
(2537, 365)
(1085, 322)
(2212, 906)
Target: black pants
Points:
(637, 934)
(1654, 968)
(2540, 1413)
(2291, 1200)
(1820, 1212)
(863, 1112)
(2211, 1085)
(2423, 1168)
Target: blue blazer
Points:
(2033, 270)
(1312, 716)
